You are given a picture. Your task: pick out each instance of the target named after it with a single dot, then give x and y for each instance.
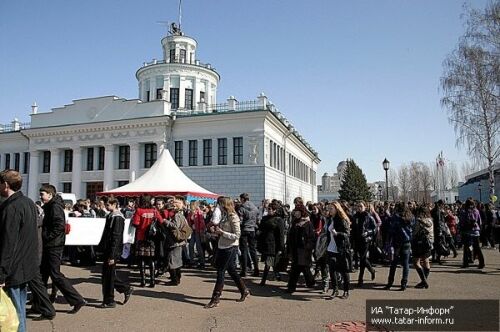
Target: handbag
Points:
(321, 244)
(282, 261)
(152, 230)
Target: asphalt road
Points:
(269, 308)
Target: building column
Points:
(109, 166)
(33, 175)
(160, 146)
(134, 161)
(76, 176)
(55, 168)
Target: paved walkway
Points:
(180, 308)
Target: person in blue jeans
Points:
(400, 232)
(18, 242)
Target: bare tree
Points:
(393, 188)
(404, 181)
(426, 181)
(452, 175)
(470, 85)
(415, 181)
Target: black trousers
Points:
(225, 260)
(41, 301)
(295, 271)
(334, 267)
(51, 267)
(110, 282)
(364, 263)
(248, 244)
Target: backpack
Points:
(183, 232)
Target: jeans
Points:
(364, 263)
(474, 242)
(248, 245)
(225, 260)
(18, 296)
(196, 240)
(403, 255)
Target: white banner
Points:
(88, 231)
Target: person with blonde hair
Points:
(229, 233)
(338, 249)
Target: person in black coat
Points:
(301, 242)
(338, 248)
(112, 240)
(271, 240)
(18, 242)
(364, 231)
(54, 237)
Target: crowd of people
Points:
(328, 241)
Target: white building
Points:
(101, 143)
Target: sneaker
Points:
(128, 294)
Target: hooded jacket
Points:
(54, 221)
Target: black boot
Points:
(243, 290)
(423, 282)
(403, 285)
(141, 271)
(214, 301)
(426, 273)
(152, 275)
(174, 280)
(345, 295)
(264, 275)
(179, 275)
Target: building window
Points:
(174, 98)
(207, 152)
(193, 153)
(202, 96)
(67, 187)
(159, 93)
(7, 161)
(93, 188)
(189, 99)
(100, 159)
(26, 163)
(68, 160)
(122, 183)
(123, 157)
(237, 150)
(178, 152)
(183, 56)
(222, 151)
(46, 162)
(90, 159)
(17, 161)
(172, 55)
(148, 95)
(149, 155)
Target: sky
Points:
(357, 79)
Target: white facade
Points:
(101, 143)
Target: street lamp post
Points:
(386, 164)
(479, 188)
(379, 192)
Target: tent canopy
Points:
(163, 178)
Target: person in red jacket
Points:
(143, 217)
(197, 222)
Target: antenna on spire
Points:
(180, 14)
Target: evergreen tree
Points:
(354, 186)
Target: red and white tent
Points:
(163, 178)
